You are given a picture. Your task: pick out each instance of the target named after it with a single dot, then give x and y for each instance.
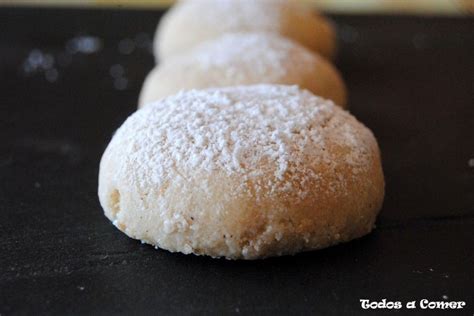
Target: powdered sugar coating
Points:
(244, 59)
(190, 22)
(237, 50)
(270, 132)
(242, 172)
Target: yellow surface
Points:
(355, 6)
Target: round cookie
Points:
(190, 22)
(245, 59)
(243, 173)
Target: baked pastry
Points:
(243, 173)
(245, 59)
(190, 22)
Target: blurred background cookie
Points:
(191, 22)
(245, 59)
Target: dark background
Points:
(410, 80)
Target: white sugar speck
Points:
(38, 61)
(470, 163)
(84, 45)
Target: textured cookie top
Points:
(276, 137)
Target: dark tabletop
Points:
(69, 78)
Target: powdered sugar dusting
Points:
(271, 135)
(257, 54)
